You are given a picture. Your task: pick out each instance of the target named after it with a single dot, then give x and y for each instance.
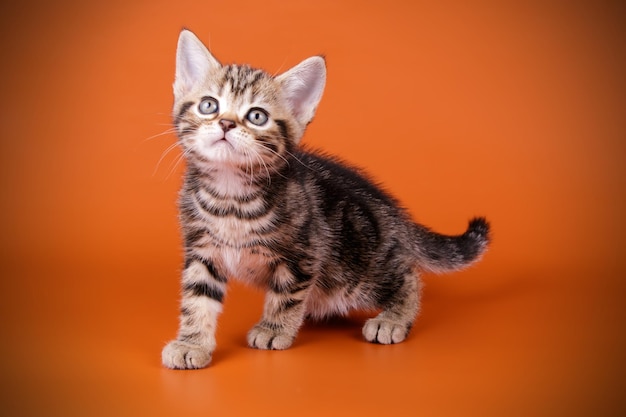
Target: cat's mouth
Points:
(219, 149)
(223, 142)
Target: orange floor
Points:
(512, 110)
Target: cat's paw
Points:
(386, 332)
(182, 355)
(261, 337)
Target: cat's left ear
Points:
(303, 86)
(193, 63)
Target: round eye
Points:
(257, 116)
(208, 105)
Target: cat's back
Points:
(341, 181)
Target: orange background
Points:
(513, 110)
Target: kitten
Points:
(317, 235)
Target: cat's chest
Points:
(233, 231)
(231, 223)
(248, 265)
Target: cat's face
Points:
(238, 115)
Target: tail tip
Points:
(479, 227)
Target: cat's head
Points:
(238, 115)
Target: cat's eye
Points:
(257, 116)
(208, 105)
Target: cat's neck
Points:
(223, 180)
(230, 181)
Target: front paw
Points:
(183, 355)
(262, 337)
(385, 332)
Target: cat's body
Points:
(317, 235)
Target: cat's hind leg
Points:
(394, 323)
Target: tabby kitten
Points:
(317, 235)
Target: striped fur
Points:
(317, 235)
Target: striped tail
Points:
(441, 253)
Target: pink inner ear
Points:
(193, 62)
(299, 99)
(303, 86)
(192, 68)
(193, 72)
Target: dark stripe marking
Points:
(282, 126)
(214, 272)
(290, 303)
(188, 337)
(234, 211)
(183, 109)
(191, 237)
(203, 289)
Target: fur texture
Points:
(317, 235)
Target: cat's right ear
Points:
(193, 63)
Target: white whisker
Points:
(299, 161)
(279, 68)
(175, 164)
(163, 155)
(166, 132)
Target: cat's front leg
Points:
(203, 291)
(284, 310)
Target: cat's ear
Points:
(193, 63)
(303, 86)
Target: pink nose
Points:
(227, 125)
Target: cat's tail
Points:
(441, 253)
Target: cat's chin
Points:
(222, 155)
(223, 152)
